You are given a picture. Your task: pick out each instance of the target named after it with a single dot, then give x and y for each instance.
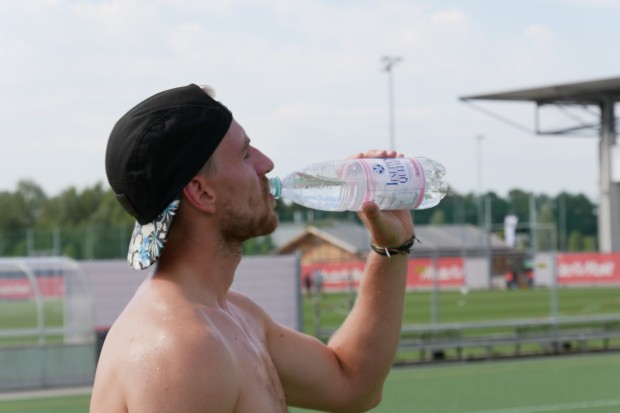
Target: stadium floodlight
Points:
(388, 64)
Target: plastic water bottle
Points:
(392, 183)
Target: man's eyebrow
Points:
(246, 143)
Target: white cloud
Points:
(449, 16)
(538, 33)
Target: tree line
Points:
(90, 224)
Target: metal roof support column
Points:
(609, 201)
(605, 93)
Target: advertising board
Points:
(588, 268)
(341, 276)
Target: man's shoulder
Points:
(244, 302)
(188, 362)
(151, 331)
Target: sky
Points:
(306, 81)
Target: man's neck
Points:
(205, 273)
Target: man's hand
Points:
(387, 228)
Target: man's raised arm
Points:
(348, 373)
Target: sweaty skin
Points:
(187, 343)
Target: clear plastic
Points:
(395, 183)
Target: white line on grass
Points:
(594, 404)
(44, 393)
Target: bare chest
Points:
(260, 386)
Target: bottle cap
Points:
(275, 187)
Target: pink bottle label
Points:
(394, 183)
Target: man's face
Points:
(245, 205)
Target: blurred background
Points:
(520, 261)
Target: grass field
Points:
(570, 384)
(16, 314)
(476, 306)
(576, 384)
(331, 310)
(586, 383)
(23, 313)
(60, 404)
(452, 307)
(491, 306)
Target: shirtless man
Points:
(186, 342)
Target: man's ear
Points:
(199, 192)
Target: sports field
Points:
(452, 306)
(576, 384)
(491, 307)
(476, 306)
(584, 383)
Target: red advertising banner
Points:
(15, 289)
(450, 272)
(588, 268)
(20, 288)
(333, 276)
(339, 276)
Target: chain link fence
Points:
(88, 242)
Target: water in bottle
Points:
(392, 183)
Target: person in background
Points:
(308, 284)
(187, 171)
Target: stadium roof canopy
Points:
(590, 92)
(604, 94)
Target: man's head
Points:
(153, 151)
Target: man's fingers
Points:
(377, 153)
(375, 221)
(371, 210)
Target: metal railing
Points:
(549, 336)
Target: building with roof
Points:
(345, 241)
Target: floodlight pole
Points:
(479, 139)
(388, 64)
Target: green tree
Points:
(589, 244)
(519, 202)
(92, 224)
(575, 241)
(258, 246)
(438, 217)
(13, 223)
(13, 216)
(499, 208)
(545, 234)
(33, 199)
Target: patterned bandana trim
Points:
(148, 240)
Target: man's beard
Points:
(239, 225)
